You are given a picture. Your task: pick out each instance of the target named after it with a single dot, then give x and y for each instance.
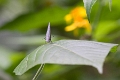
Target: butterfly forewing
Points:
(48, 34)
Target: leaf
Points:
(72, 52)
(110, 4)
(5, 61)
(13, 8)
(88, 5)
(29, 40)
(35, 20)
(107, 31)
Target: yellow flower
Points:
(70, 27)
(77, 17)
(79, 24)
(78, 12)
(68, 18)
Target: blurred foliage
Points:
(23, 25)
(34, 20)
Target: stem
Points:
(38, 72)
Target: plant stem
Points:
(38, 72)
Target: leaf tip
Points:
(114, 48)
(17, 73)
(100, 70)
(99, 67)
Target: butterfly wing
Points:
(48, 34)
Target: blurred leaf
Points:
(88, 5)
(107, 30)
(9, 57)
(29, 40)
(5, 61)
(73, 52)
(54, 15)
(11, 9)
(2, 2)
(110, 4)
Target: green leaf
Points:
(72, 52)
(110, 4)
(88, 5)
(38, 19)
(107, 31)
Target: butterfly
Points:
(48, 34)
